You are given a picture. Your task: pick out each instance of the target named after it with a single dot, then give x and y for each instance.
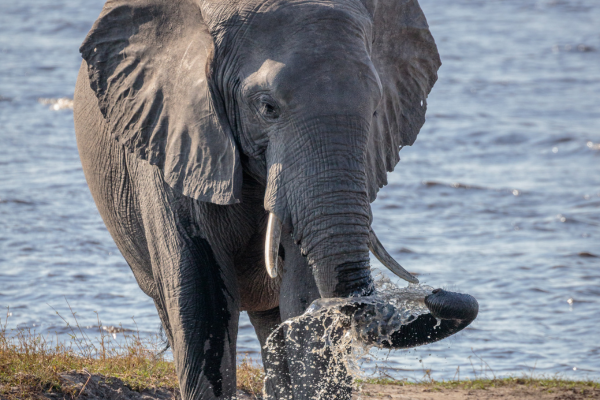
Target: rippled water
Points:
(499, 197)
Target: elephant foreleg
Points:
(196, 296)
(312, 371)
(277, 382)
(315, 373)
(202, 319)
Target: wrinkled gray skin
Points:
(195, 119)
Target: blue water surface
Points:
(499, 197)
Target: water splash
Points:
(331, 338)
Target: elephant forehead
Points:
(279, 21)
(265, 76)
(314, 7)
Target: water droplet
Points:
(349, 333)
(570, 301)
(515, 192)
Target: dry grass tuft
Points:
(250, 376)
(31, 363)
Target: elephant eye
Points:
(267, 108)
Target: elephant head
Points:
(344, 93)
(311, 99)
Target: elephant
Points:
(233, 149)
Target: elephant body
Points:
(206, 126)
(164, 237)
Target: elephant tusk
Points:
(384, 257)
(272, 244)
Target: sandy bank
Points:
(82, 385)
(513, 392)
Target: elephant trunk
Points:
(337, 251)
(319, 190)
(448, 314)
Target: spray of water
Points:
(331, 338)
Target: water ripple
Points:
(499, 197)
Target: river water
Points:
(499, 197)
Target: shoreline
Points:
(34, 366)
(86, 385)
(511, 388)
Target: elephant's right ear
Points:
(149, 63)
(406, 59)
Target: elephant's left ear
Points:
(149, 63)
(406, 59)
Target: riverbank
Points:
(33, 366)
(482, 389)
(86, 385)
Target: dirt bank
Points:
(509, 392)
(83, 385)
